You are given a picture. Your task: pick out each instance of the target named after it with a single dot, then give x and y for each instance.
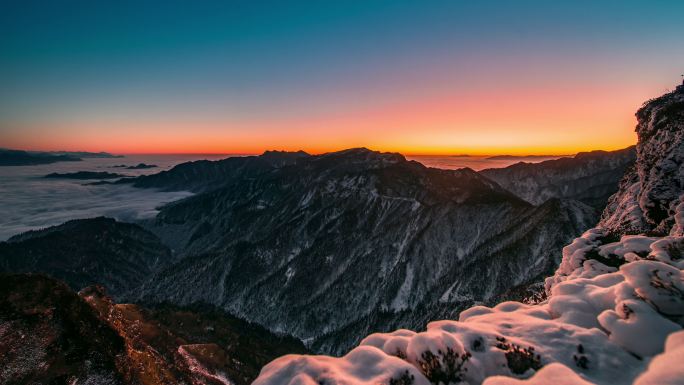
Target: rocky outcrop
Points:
(650, 192)
(589, 177)
(51, 335)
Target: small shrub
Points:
(668, 287)
(608, 237)
(444, 367)
(405, 378)
(675, 249)
(627, 311)
(519, 359)
(536, 297)
(478, 345)
(581, 361)
(611, 260)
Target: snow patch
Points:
(197, 368)
(400, 302)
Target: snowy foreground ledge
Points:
(614, 316)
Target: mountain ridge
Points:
(590, 177)
(364, 219)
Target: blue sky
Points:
(252, 63)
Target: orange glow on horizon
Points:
(517, 122)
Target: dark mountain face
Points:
(85, 175)
(51, 335)
(86, 252)
(333, 187)
(328, 248)
(315, 246)
(204, 175)
(589, 177)
(514, 259)
(23, 158)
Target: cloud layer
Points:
(30, 201)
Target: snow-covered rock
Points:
(666, 368)
(650, 192)
(556, 374)
(363, 365)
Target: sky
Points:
(418, 77)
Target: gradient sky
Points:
(430, 77)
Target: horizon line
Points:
(456, 154)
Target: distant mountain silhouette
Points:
(139, 166)
(23, 158)
(10, 157)
(85, 175)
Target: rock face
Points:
(87, 252)
(614, 312)
(316, 246)
(589, 177)
(650, 192)
(51, 335)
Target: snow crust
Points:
(666, 368)
(363, 365)
(556, 374)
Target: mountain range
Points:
(287, 240)
(329, 248)
(589, 177)
(29, 158)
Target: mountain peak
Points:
(279, 153)
(365, 155)
(283, 158)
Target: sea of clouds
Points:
(30, 201)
